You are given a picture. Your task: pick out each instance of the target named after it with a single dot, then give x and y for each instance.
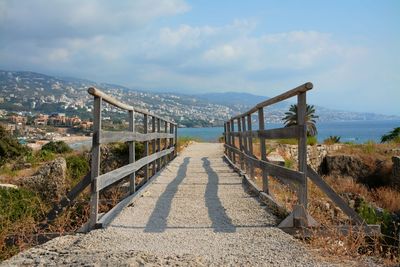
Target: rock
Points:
(49, 181)
(7, 186)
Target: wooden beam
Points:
(321, 184)
(300, 89)
(98, 93)
(302, 147)
(153, 142)
(132, 176)
(95, 162)
(146, 145)
(250, 144)
(124, 136)
(263, 149)
(113, 176)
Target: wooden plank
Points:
(250, 144)
(98, 93)
(95, 162)
(176, 140)
(69, 198)
(124, 136)
(132, 176)
(111, 177)
(273, 169)
(228, 137)
(233, 141)
(285, 132)
(371, 230)
(146, 145)
(263, 149)
(158, 144)
(240, 143)
(302, 147)
(171, 140)
(318, 181)
(300, 89)
(153, 142)
(107, 218)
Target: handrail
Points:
(111, 100)
(240, 154)
(161, 154)
(296, 91)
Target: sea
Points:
(349, 131)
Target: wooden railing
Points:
(159, 157)
(240, 154)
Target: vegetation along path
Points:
(196, 212)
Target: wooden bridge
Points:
(200, 207)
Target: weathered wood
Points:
(113, 176)
(165, 142)
(107, 218)
(158, 144)
(146, 145)
(95, 163)
(176, 140)
(244, 150)
(300, 89)
(124, 136)
(240, 143)
(302, 146)
(132, 176)
(228, 138)
(171, 140)
(97, 93)
(263, 149)
(280, 133)
(250, 144)
(318, 181)
(273, 169)
(233, 141)
(371, 230)
(69, 198)
(153, 142)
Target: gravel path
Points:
(196, 213)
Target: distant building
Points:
(41, 120)
(17, 119)
(86, 125)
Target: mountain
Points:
(31, 93)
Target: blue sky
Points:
(348, 49)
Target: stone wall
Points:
(315, 154)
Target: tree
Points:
(291, 118)
(394, 135)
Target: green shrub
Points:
(44, 155)
(10, 148)
(77, 167)
(290, 163)
(333, 139)
(58, 147)
(17, 204)
(311, 141)
(122, 149)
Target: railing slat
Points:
(112, 137)
(111, 177)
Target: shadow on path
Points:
(157, 222)
(216, 212)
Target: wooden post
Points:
(302, 147)
(240, 143)
(244, 143)
(158, 144)
(261, 126)
(132, 184)
(146, 146)
(176, 140)
(171, 141)
(228, 138)
(95, 164)
(153, 142)
(165, 142)
(233, 140)
(250, 143)
(226, 151)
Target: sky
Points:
(348, 49)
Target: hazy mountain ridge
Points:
(29, 91)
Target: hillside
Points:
(22, 91)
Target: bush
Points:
(122, 149)
(58, 147)
(17, 204)
(333, 139)
(77, 167)
(10, 148)
(311, 141)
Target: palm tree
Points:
(391, 136)
(291, 118)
